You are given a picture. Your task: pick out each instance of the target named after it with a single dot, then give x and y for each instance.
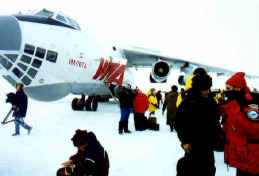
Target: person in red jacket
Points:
(140, 105)
(241, 125)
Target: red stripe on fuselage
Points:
(110, 72)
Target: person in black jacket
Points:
(197, 121)
(20, 109)
(126, 97)
(91, 158)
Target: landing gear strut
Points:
(90, 104)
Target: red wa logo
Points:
(110, 72)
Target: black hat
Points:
(201, 82)
(200, 71)
(80, 137)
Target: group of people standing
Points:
(202, 125)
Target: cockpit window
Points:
(52, 56)
(22, 66)
(73, 23)
(17, 72)
(26, 59)
(32, 72)
(40, 53)
(61, 18)
(45, 13)
(12, 57)
(29, 49)
(26, 80)
(5, 63)
(36, 63)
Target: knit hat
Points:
(201, 82)
(200, 71)
(238, 81)
(80, 137)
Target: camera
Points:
(11, 98)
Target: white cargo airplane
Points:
(48, 52)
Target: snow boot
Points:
(125, 125)
(120, 127)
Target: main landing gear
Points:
(81, 104)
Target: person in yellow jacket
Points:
(188, 85)
(153, 105)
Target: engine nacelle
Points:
(160, 71)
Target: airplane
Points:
(52, 57)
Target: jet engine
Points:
(160, 71)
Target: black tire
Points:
(74, 104)
(94, 103)
(88, 103)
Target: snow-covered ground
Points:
(137, 154)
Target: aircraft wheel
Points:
(88, 103)
(95, 103)
(74, 104)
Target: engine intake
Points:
(159, 72)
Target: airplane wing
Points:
(141, 57)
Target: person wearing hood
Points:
(170, 106)
(196, 124)
(153, 104)
(140, 105)
(91, 158)
(241, 126)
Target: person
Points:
(188, 84)
(140, 105)
(20, 109)
(125, 96)
(159, 98)
(196, 124)
(153, 106)
(91, 158)
(170, 106)
(240, 123)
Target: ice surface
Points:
(40, 154)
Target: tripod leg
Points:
(7, 115)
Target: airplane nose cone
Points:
(10, 33)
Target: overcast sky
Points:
(216, 32)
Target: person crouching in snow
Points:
(91, 158)
(140, 105)
(241, 125)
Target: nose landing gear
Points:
(89, 104)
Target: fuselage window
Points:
(22, 66)
(36, 63)
(5, 63)
(52, 56)
(12, 57)
(32, 72)
(29, 49)
(26, 59)
(40, 53)
(17, 72)
(61, 19)
(26, 80)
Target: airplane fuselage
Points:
(55, 60)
